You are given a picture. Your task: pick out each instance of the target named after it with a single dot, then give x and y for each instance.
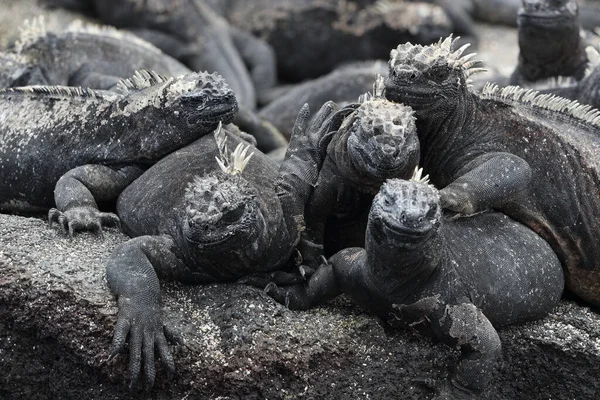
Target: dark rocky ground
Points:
(57, 318)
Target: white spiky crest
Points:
(73, 92)
(30, 31)
(442, 52)
(593, 59)
(231, 163)
(551, 102)
(417, 176)
(141, 79)
(378, 91)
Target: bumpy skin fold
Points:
(86, 146)
(461, 131)
(202, 225)
(376, 141)
(550, 42)
(454, 279)
(205, 41)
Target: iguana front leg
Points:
(77, 191)
(486, 182)
(132, 272)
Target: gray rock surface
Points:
(57, 317)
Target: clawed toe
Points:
(82, 219)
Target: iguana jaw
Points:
(221, 210)
(405, 214)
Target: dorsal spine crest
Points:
(141, 79)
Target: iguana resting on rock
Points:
(342, 85)
(192, 32)
(69, 140)
(550, 42)
(378, 141)
(203, 224)
(468, 140)
(456, 279)
(322, 31)
(82, 55)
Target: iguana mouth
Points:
(224, 113)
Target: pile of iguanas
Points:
(506, 218)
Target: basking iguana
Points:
(205, 222)
(469, 139)
(68, 140)
(192, 32)
(456, 279)
(378, 141)
(82, 55)
(550, 42)
(320, 32)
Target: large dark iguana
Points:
(320, 31)
(192, 32)
(81, 55)
(550, 42)
(468, 140)
(68, 140)
(203, 223)
(376, 142)
(456, 279)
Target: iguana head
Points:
(421, 76)
(548, 11)
(405, 214)
(197, 100)
(382, 141)
(222, 211)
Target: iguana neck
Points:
(445, 129)
(399, 270)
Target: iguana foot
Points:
(260, 280)
(311, 253)
(82, 218)
(142, 322)
(456, 200)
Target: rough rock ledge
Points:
(57, 317)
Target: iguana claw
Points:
(82, 218)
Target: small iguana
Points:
(192, 32)
(378, 141)
(470, 143)
(551, 42)
(206, 221)
(68, 140)
(456, 279)
(82, 55)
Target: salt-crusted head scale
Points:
(411, 56)
(380, 115)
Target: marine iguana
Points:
(69, 140)
(342, 85)
(203, 224)
(334, 27)
(468, 140)
(82, 55)
(193, 31)
(550, 41)
(376, 142)
(456, 279)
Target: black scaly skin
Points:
(82, 55)
(199, 37)
(201, 225)
(477, 147)
(87, 146)
(376, 142)
(550, 41)
(455, 279)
